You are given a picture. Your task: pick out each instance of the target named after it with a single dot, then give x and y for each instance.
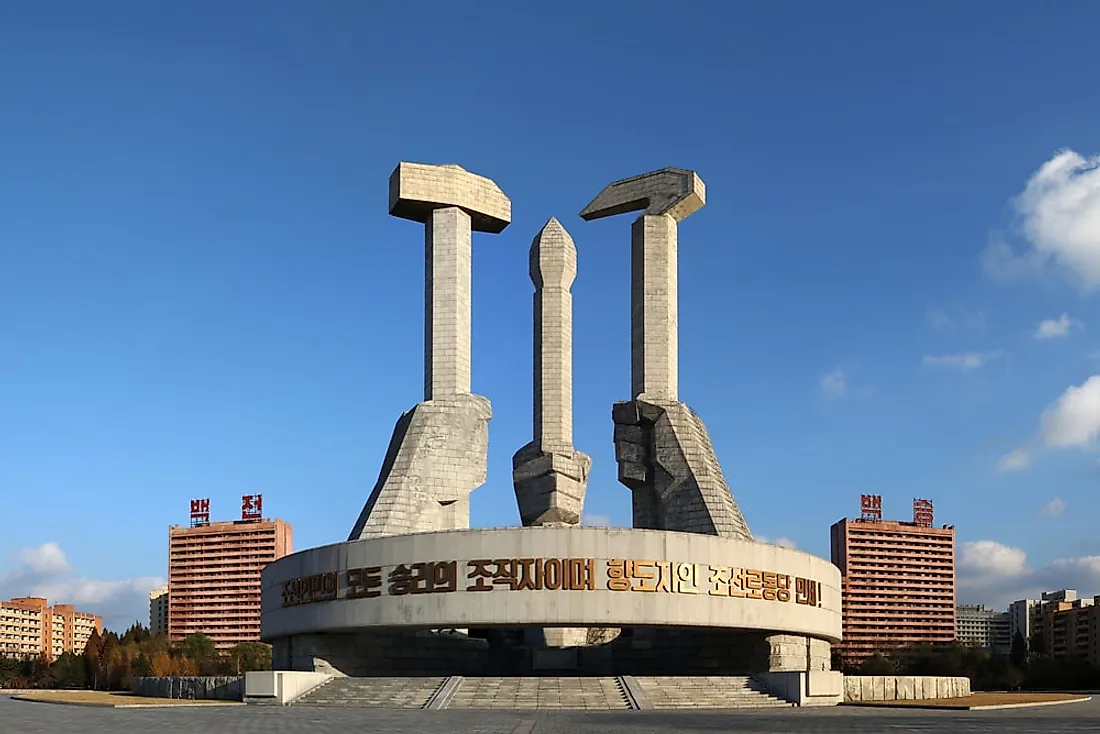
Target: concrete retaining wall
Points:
(220, 688)
(902, 687)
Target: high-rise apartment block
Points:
(1025, 618)
(978, 626)
(30, 628)
(158, 611)
(214, 573)
(898, 585)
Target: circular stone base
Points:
(676, 594)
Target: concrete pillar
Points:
(448, 273)
(553, 269)
(654, 325)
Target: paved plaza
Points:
(41, 718)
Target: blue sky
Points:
(202, 295)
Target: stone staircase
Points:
(705, 692)
(541, 693)
(389, 693)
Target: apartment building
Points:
(898, 581)
(214, 577)
(979, 626)
(30, 627)
(1025, 616)
(158, 611)
(1071, 629)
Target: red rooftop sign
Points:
(870, 506)
(200, 512)
(252, 507)
(922, 512)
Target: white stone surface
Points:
(859, 688)
(282, 686)
(805, 688)
(437, 456)
(448, 320)
(439, 450)
(418, 188)
(549, 476)
(599, 607)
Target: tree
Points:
(199, 648)
(141, 665)
(92, 650)
(137, 634)
(249, 656)
(69, 671)
(1018, 656)
(877, 664)
(160, 665)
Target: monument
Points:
(415, 591)
(439, 450)
(549, 475)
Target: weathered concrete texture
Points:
(438, 455)
(664, 451)
(439, 451)
(550, 485)
(448, 323)
(416, 189)
(549, 476)
(383, 653)
(540, 693)
(194, 688)
(707, 692)
(411, 692)
(667, 196)
(673, 191)
(797, 653)
(654, 316)
(859, 688)
(666, 458)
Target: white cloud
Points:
(988, 557)
(1059, 212)
(962, 361)
(1015, 460)
(954, 320)
(45, 559)
(596, 521)
(1054, 508)
(1073, 420)
(780, 541)
(835, 383)
(44, 571)
(1054, 328)
(996, 574)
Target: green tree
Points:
(69, 671)
(249, 656)
(1018, 656)
(93, 649)
(198, 647)
(136, 634)
(141, 665)
(877, 664)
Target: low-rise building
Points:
(31, 628)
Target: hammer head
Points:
(418, 188)
(676, 192)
